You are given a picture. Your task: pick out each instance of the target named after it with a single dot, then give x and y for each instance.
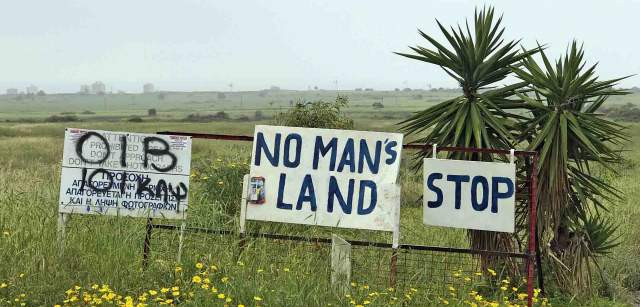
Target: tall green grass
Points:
(108, 250)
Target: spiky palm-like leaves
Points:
(476, 60)
(570, 137)
(567, 132)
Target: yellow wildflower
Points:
(257, 298)
(199, 265)
(196, 279)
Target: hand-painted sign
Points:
(128, 174)
(325, 177)
(469, 194)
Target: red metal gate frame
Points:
(531, 256)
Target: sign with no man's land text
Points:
(126, 174)
(326, 177)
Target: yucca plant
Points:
(477, 60)
(570, 136)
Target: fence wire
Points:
(438, 269)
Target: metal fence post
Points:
(533, 218)
(147, 244)
(393, 272)
(243, 214)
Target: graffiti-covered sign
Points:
(469, 194)
(127, 174)
(326, 177)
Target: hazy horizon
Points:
(201, 46)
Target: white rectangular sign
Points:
(326, 177)
(469, 194)
(127, 174)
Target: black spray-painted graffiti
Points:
(161, 190)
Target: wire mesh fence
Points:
(438, 269)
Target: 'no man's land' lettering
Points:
(325, 177)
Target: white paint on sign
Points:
(469, 194)
(325, 177)
(125, 174)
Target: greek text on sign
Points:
(127, 174)
(469, 194)
(326, 177)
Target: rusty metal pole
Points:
(533, 218)
(393, 272)
(147, 244)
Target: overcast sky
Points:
(205, 45)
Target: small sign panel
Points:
(127, 174)
(325, 177)
(469, 194)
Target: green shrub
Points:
(317, 114)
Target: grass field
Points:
(103, 255)
(175, 106)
